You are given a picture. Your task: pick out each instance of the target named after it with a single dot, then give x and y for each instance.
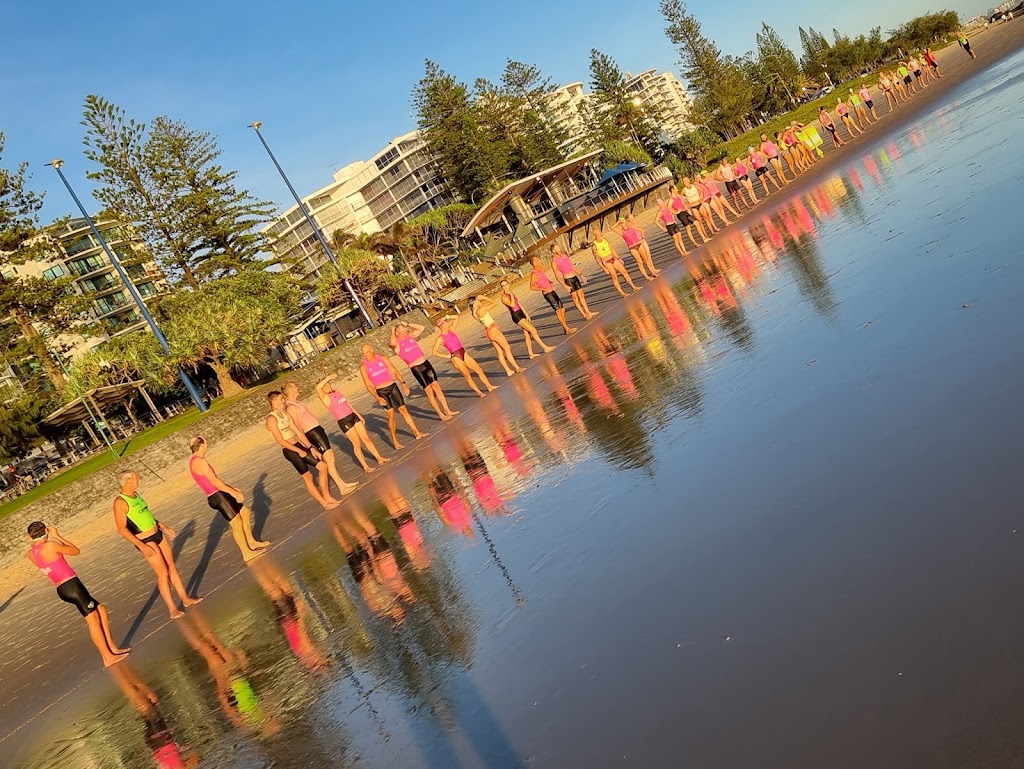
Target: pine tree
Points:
(619, 115)
(778, 65)
(724, 92)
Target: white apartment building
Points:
(395, 185)
(564, 105)
(666, 96)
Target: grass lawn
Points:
(99, 461)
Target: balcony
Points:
(88, 266)
(111, 304)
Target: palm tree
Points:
(361, 240)
(403, 241)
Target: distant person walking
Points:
(571, 280)
(966, 45)
(298, 451)
(47, 554)
(521, 318)
(539, 281)
(316, 436)
(350, 422)
(153, 539)
(479, 307)
(403, 341)
(381, 379)
(463, 362)
(226, 500)
(610, 262)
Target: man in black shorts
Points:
(226, 500)
(315, 434)
(298, 451)
(381, 379)
(47, 554)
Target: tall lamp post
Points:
(316, 230)
(192, 391)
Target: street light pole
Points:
(316, 230)
(128, 284)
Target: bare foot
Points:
(113, 660)
(570, 330)
(176, 614)
(452, 413)
(383, 461)
(491, 389)
(188, 601)
(480, 395)
(121, 650)
(532, 356)
(348, 488)
(547, 348)
(399, 446)
(420, 435)
(252, 555)
(367, 469)
(260, 544)
(331, 504)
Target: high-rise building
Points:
(397, 184)
(563, 105)
(665, 96)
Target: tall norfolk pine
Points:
(166, 182)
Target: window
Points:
(386, 159)
(146, 289)
(79, 244)
(54, 272)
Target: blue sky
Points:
(332, 86)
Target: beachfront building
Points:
(397, 184)
(664, 96)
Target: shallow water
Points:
(764, 514)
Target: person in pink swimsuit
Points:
(226, 500)
(449, 344)
(715, 198)
(479, 308)
(381, 379)
(403, 341)
(298, 451)
(522, 319)
(539, 281)
(759, 162)
(351, 422)
(743, 177)
(665, 220)
(572, 281)
(47, 554)
(315, 434)
(685, 215)
(633, 236)
(771, 151)
(844, 112)
(727, 176)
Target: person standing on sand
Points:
(700, 210)
(226, 500)
(762, 169)
(479, 307)
(771, 151)
(739, 168)
(521, 318)
(933, 63)
(350, 422)
(303, 418)
(539, 281)
(856, 107)
(868, 102)
(665, 220)
(844, 113)
(885, 85)
(47, 554)
(966, 45)
(153, 539)
(633, 235)
(718, 201)
(826, 121)
(403, 341)
(685, 216)
(915, 67)
(610, 262)
(571, 280)
(727, 176)
(904, 73)
(381, 379)
(298, 451)
(463, 362)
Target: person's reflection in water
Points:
(616, 363)
(449, 503)
(167, 753)
(228, 669)
(484, 488)
(497, 419)
(535, 410)
(804, 217)
(643, 323)
(679, 326)
(400, 512)
(290, 612)
(372, 562)
(596, 385)
(558, 384)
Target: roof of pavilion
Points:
(76, 411)
(522, 188)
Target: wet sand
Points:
(763, 517)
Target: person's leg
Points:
(463, 368)
(621, 267)
(104, 625)
(319, 494)
(474, 367)
(101, 640)
(648, 258)
(254, 544)
(705, 212)
(367, 441)
(332, 469)
(435, 386)
(323, 479)
(357, 448)
(581, 302)
(531, 330)
(677, 241)
(173, 576)
(163, 584)
(529, 342)
(727, 204)
(500, 350)
(237, 527)
(560, 314)
(639, 259)
(435, 404)
(408, 420)
(393, 429)
(506, 349)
